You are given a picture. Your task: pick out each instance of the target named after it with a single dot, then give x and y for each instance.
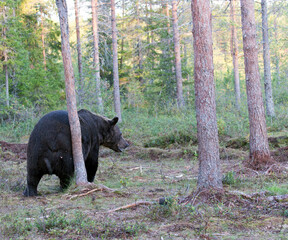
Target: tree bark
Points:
(117, 103)
(234, 53)
(277, 58)
(94, 4)
(259, 148)
(266, 57)
(5, 66)
(80, 170)
(208, 143)
(43, 38)
(79, 52)
(176, 38)
(139, 44)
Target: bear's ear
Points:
(114, 121)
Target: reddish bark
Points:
(208, 143)
(80, 170)
(259, 148)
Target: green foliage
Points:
(230, 178)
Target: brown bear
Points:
(50, 149)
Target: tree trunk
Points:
(266, 57)
(234, 53)
(176, 38)
(80, 170)
(43, 39)
(277, 58)
(79, 52)
(94, 4)
(259, 148)
(117, 103)
(5, 67)
(208, 143)
(139, 44)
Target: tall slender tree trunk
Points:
(266, 57)
(94, 4)
(259, 148)
(122, 37)
(234, 53)
(43, 38)
(277, 60)
(176, 38)
(117, 103)
(79, 52)
(208, 143)
(139, 44)
(5, 66)
(80, 170)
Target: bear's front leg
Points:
(91, 165)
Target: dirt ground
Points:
(137, 179)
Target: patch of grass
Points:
(182, 137)
(277, 189)
(15, 225)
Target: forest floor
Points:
(142, 176)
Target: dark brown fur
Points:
(50, 150)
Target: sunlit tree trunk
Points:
(176, 38)
(80, 170)
(234, 52)
(43, 38)
(266, 57)
(94, 4)
(208, 143)
(117, 103)
(79, 52)
(259, 148)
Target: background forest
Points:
(34, 76)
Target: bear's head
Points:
(114, 139)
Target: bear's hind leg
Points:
(32, 183)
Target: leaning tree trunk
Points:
(234, 52)
(81, 174)
(208, 143)
(94, 4)
(117, 103)
(79, 52)
(266, 57)
(176, 38)
(259, 148)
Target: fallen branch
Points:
(136, 204)
(84, 194)
(100, 188)
(270, 169)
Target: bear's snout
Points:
(122, 144)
